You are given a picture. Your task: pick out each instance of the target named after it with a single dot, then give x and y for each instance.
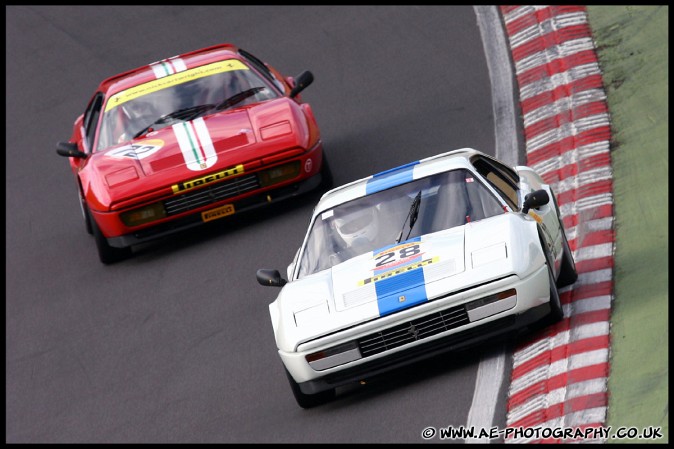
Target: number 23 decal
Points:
(397, 255)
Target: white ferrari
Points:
(431, 256)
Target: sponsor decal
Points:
(535, 216)
(218, 212)
(307, 165)
(195, 144)
(398, 271)
(397, 255)
(191, 184)
(173, 79)
(137, 150)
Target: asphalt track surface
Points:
(175, 345)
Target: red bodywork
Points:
(247, 141)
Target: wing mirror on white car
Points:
(535, 199)
(270, 278)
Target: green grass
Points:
(632, 45)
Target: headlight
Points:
(490, 254)
(279, 174)
(311, 314)
(143, 215)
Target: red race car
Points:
(187, 140)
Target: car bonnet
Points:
(369, 286)
(228, 142)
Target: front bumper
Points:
(195, 219)
(243, 193)
(531, 306)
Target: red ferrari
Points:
(187, 140)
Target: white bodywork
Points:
(451, 267)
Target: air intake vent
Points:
(211, 194)
(414, 330)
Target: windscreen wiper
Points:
(411, 216)
(184, 114)
(238, 98)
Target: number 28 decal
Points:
(397, 255)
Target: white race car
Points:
(431, 256)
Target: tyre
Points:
(326, 174)
(106, 253)
(568, 274)
(85, 215)
(309, 400)
(556, 310)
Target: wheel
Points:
(106, 253)
(85, 215)
(326, 174)
(556, 310)
(568, 274)
(309, 400)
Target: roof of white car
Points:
(395, 176)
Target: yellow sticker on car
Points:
(218, 212)
(535, 216)
(192, 183)
(173, 80)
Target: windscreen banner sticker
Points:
(173, 80)
(168, 67)
(188, 185)
(195, 144)
(138, 150)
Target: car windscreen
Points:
(182, 96)
(431, 204)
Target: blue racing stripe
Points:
(403, 290)
(400, 292)
(390, 178)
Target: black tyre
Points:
(326, 174)
(106, 253)
(556, 310)
(309, 400)
(568, 274)
(85, 215)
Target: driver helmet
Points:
(358, 227)
(140, 112)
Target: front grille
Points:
(413, 330)
(212, 194)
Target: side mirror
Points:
(534, 199)
(68, 149)
(302, 81)
(270, 278)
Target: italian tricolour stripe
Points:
(195, 144)
(167, 67)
